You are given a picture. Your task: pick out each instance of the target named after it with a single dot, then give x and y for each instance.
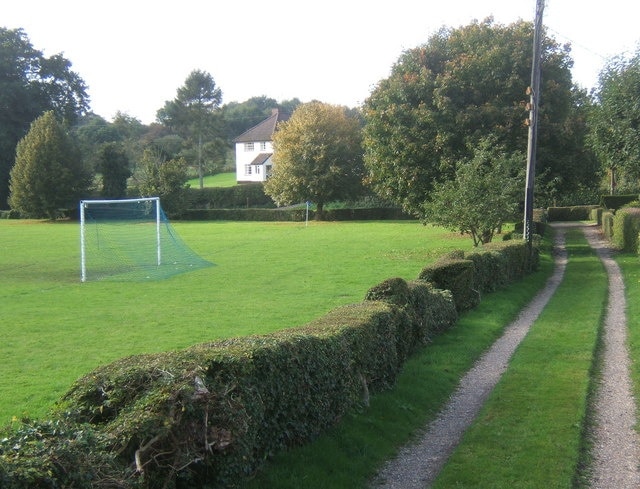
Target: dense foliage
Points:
(483, 195)
(48, 174)
(31, 84)
(113, 165)
(164, 178)
(615, 122)
(462, 86)
(317, 157)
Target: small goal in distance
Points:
(131, 240)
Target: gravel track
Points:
(616, 454)
(616, 445)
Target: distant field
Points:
(268, 276)
(219, 180)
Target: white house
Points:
(254, 149)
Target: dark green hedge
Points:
(470, 274)
(607, 224)
(238, 196)
(295, 214)
(615, 202)
(209, 415)
(626, 225)
(574, 213)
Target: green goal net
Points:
(131, 240)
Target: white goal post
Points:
(111, 206)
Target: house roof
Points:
(261, 159)
(264, 130)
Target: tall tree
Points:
(31, 84)
(444, 97)
(164, 178)
(113, 164)
(615, 121)
(195, 115)
(317, 156)
(48, 174)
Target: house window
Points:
(247, 169)
(263, 146)
(248, 146)
(257, 170)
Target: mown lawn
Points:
(268, 276)
(227, 179)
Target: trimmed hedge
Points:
(293, 214)
(607, 224)
(574, 213)
(209, 415)
(470, 274)
(626, 225)
(427, 311)
(238, 196)
(615, 202)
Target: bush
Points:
(456, 275)
(626, 225)
(575, 213)
(236, 197)
(615, 202)
(294, 214)
(607, 224)
(426, 311)
(470, 274)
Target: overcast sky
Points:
(134, 54)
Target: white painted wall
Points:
(244, 157)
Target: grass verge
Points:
(348, 456)
(631, 272)
(529, 434)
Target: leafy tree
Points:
(31, 84)
(444, 97)
(317, 156)
(195, 115)
(113, 164)
(483, 195)
(48, 174)
(163, 178)
(615, 120)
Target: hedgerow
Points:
(210, 415)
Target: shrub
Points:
(575, 213)
(456, 275)
(607, 224)
(425, 311)
(238, 196)
(626, 225)
(615, 202)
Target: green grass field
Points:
(268, 276)
(227, 179)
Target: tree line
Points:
(444, 136)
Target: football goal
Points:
(131, 239)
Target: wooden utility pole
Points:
(534, 97)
